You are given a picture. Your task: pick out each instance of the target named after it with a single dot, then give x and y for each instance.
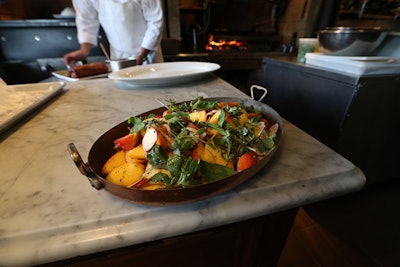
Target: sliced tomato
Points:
(166, 113)
(126, 142)
(252, 115)
(230, 104)
(246, 160)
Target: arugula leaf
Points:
(176, 116)
(221, 118)
(138, 124)
(174, 165)
(182, 169)
(185, 107)
(161, 177)
(189, 169)
(157, 156)
(213, 172)
(200, 103)
(235, 111)
(255, 119)
(177, 119)
(264, 144)
(184, 143)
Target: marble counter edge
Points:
(124, 231)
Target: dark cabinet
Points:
(251, 243)
(357, 116)
(26, 44)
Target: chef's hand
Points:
(78, 55)
(142, 56)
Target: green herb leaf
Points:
(221, 118)
(174, 164)
(157, 156)
(161, 177)
(200, 104)
(189, 169)
(138, 124)
(214, 172)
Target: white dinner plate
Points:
(364, 65)
(161, 74)
(63, 75)
(22, 99)
(59, 16)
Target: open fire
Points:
(224, 45)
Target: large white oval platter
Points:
(161, 74)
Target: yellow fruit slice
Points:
(137, 153)
(116, 160)
(126, 174)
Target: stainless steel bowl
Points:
(117, 64)
(350, 41)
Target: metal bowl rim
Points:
(351, 30)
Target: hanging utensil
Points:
(105, 51)
(304, 9)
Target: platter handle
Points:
(260, 88)
(84, 168)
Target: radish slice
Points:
(149, 139)
(273, 129)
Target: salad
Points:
(190, 144)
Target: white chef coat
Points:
(128, 24)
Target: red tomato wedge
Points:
(126, 142)
(229, 103)
(246, 160)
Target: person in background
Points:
(133, 29)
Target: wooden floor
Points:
(360, 229)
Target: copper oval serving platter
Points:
(104, 148)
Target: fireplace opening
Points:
(225, 45)
(222, 25)
(236, 34)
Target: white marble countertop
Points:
(49, 211)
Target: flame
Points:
(223, 44)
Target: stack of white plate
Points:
(370, 65)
